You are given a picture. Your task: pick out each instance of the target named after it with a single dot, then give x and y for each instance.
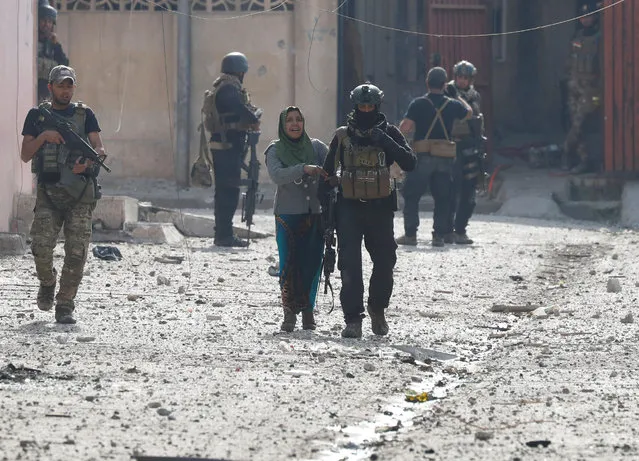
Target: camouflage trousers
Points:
(55, 209)
(581, 102)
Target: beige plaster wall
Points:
(17, 78)
(119, 58)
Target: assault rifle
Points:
(330, 256)
(250, 197)
(72, 139)
(476, 125)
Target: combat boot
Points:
(46, 294)
(288, 325)
(352, 330)
(232, 241)
(463, 239)
(449, 238)
(64, 312)
(407, 240)
(308, 320)
(438, 240)
(378, 322)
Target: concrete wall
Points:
(17, 78)
(120, 60)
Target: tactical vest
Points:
(444, 148)
(45, 59)
(461, 129)
(52, 158)
(217, 123)
(584, 57)
(364, 173)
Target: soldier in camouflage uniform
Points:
(584, 87)
(50, 53)
(466, 169)
(66, 193)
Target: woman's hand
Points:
(314, 170)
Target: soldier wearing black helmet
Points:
(359, 159)
(50, 53)
(228, 115)
(585, 86)
(466, 169)
(431, 119)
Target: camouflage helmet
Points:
(234, 63)
(590, 7)
(367, 94)
(46, 11)
(464, 69)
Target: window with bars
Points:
(171, 5)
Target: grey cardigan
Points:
(296, 191)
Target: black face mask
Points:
(366, 120)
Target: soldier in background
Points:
(228, 115)
(466, 169)
(50, 53)
(584, 88)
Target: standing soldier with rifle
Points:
(468, 168)
(359, 158)
(228, 116)
(61, 139)
(50, 53)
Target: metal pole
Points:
(183, 93)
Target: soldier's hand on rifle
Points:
(52, 137)
(254, 127)
(82, 165)
(54, 38)
(333, 181)
(314, 170)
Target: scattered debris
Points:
(416, 398)
(484, 435)
(369, 366)
(167, 259)
(85, 339)
(132, 297)
(18, 374)
(629, 318)
(538, 443)
(516, 278)
(514, 308)
(384, 429)
(107, 253)
(614, 286)
(162, 280)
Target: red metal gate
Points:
(463, 17)
(621, 77)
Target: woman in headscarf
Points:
(293, 165)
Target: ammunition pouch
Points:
(365, 175)
(436, 147)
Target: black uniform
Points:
(372, 220)
(433, 172)
(227, 164)
(466, 170)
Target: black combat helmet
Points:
(464, 69)
(46, 11)
(367, 94)
(234, 63)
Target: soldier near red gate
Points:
(585, 84)
(50, 53)
(467, 166)
(67, 191)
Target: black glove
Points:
(451, 91)
(380, 137)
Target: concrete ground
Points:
(186, 359)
